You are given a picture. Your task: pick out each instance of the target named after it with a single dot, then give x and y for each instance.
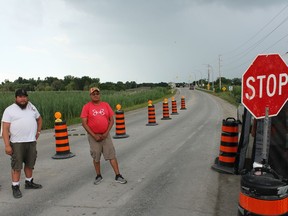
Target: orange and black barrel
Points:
(183, 104)
(174, 107)
(151, 114)
(61, 139)
(229, 142)
(165, 105)
(263, 192)
(228, 146)
(120, 130)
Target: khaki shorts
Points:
(104, 147)
(23, 153)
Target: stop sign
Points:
(265, 84)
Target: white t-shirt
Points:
(23, 126)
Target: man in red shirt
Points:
(98, 119)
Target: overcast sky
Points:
(138, 40)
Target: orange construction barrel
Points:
(228, 146)
(174, 107)
(165, 108)
(62, 141)
(263, 192)
(120, 131)
(151, 115)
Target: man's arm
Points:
(97, 137)
(6, 137)
(111, 123)
(39, 126)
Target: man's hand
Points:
(98, 137)
(104, 136)
(37, 135)
(8, 150)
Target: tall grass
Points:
(70, 103)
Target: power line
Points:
(240, 46)
(275, 43)
(249, 49)
(263, 38)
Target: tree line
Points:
(204, 82)
(71, 83)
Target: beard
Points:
(22, 105)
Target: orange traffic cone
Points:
(183, 106)
(228, 146)
(61, 139)
(174, 107)
(151, 114)
(120, 123)
(165, 110)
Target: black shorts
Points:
(23, 153)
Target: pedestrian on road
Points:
(98, 119)
(21, 127)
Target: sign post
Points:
(265, 90)
(265, 136)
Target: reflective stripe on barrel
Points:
(263, 207)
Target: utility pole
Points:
(209, 66)
(220, 87)
(208, 73)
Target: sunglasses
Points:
(95, 93)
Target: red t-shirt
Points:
(97, 116)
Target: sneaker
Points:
(16, 191)
(119, 178)
(32, 185)
(98, 179)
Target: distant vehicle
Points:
(192, 87)
(178, 85)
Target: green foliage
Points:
(6, 98)
(233, 97)
(70, 103)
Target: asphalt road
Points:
(168, 168)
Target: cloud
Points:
(31, 49)
(147, 40)
(61, 39)
(243, 4)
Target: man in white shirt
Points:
(21, 127)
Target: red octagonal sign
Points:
(265, 84)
